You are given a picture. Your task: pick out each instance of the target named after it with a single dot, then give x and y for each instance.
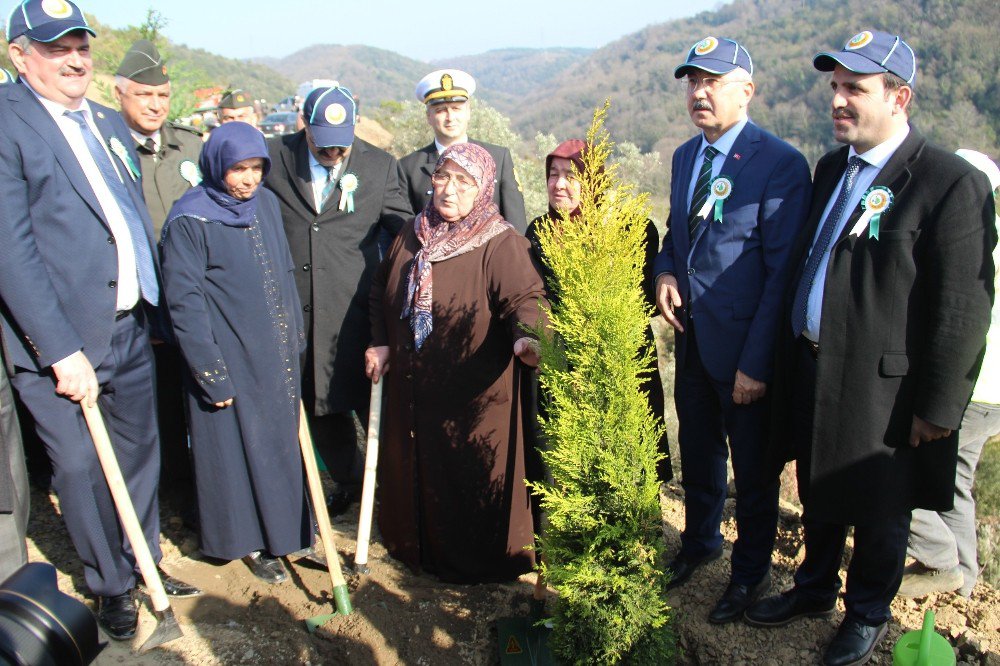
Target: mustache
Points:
(702, 105)
(842, 114)
(67, 70)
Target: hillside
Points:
(373, 74)
(956, 93)
(507, 75)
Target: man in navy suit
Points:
(738, 197)
(79, 284)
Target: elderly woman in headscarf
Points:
(229, 285)
(452, 308)
(563, 167)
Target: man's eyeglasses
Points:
(711, 84)
(462, 183)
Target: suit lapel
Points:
(331, 207)
(431, 154)
(107, 131)
(895, 175)
(678, 197)
(745, 146)
(31, 111)
(296, 159)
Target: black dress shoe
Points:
(736, 599)
(177, 588)
(266, 567)
(118, 615)
(682, 567)
(854, 643)
(340, 501)
(782, 609)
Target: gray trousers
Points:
(945, 540)
(13, 552)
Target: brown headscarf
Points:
(441, 240)
(572, 150)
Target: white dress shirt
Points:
(128, 278)
(875, 159)
(724, 144)
(320, 176)
(141, 139)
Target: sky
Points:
(423, 30)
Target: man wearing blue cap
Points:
(881, 342)
(738, 198)
(338, 195)
(79, 283)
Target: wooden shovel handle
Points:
(371, 465)
(125, 508)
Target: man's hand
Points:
(527, 350)
(746, 389)
(376, 362)
(224, 403)
(923, 431)
(668, 299)
(76, 380)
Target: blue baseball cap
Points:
(331, 114)
(6, 77)
(873, 52)
(45, 20)
(716, 56)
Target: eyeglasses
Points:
(462, 183)
(708, 83)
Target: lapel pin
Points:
(736, 156)
(100, 114)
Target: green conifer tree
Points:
(603, 542)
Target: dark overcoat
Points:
(336, 253)
(169, 172)
(417, 167)
(903, 330)
(452, 498)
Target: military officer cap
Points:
(716, 56)
(445, 85)
(872, 52)
(45, 20)
(235, 99)
(331, 114)
(144, 64)
(5, 76)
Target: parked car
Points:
(276, 124)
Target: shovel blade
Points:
(314, 623)
(167, 629)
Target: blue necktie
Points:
(140, 245)
(702, 188)
(801, 303)
(331, 184)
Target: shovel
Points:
(340, 593)
(167, 628)
(368, 489)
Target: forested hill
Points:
(957, 89)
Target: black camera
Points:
(41, 626)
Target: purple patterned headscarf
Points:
(441, 240)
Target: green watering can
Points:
(925, 647)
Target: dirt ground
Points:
(402, 618)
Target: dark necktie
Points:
(151, 146)
(702, 189)
(801, 303)
(143, 256)
(331, 184)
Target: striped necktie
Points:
(331, 184)
(702, 188)
(133, 220)
(801, 304)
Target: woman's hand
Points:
(376, 362)
(527, 350)
(224, 403)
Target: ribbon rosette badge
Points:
(877, 200)
(190, 172)
(348, 186)
(722, 189)
(118, 148)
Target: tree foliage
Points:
(602, 547)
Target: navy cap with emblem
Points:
(331, 114)
(872, 52)
(45, 20)
(716, 56)
(6, 77)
